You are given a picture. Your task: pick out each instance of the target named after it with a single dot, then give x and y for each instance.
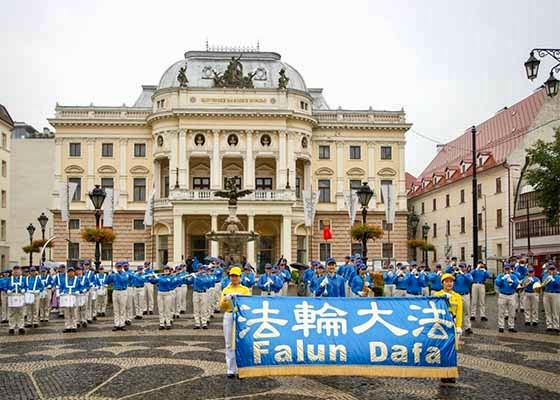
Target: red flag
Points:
(327, 235)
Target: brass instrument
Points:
(524, 283)
(365, 287)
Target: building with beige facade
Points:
(6, 125)
(442, 194)
(184, 136)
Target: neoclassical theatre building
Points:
(218, 114)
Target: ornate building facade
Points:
(214, 115)
(6, 126)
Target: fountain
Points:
(233, 234)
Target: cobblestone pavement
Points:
(182, 363)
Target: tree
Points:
(543, 173)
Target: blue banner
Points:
(387, 336)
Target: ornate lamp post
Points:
(364, 194)
(425, 230)
(414, 221)
(97, 197)
(31, 231)
(43, 219)
(532, 69)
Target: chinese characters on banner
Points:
(400, 337)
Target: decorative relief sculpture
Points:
(182, 76)
(283, 79)
(233, 77)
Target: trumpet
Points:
(365, 288)
(524, 283)
(547, 280)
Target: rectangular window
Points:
(462, 224)
(301, 249)
(355, 184)
(479, 221)
(3, 229)
(323, 223)
(139, 189)
(139, 150)
(106, 251)
(324, 152)
(75, 149)
(4, 141)
(386, 153)
(106, 149)
(298, 187)
(355, 152)
(139, 225)
(73, 250)
(434, 204)
(263, 183)
(4, 199)
(479, 190)
(448, 228)
(387, 250)
(434, 230)
(324, 251)
(499, 218)
(107, 183)
(166, 186)
(139, 252)
(462, 197)
(385, 182)
(324, 191)
(447, 200)
(422, 208)
(386, 226)
(4, 168)
(200, 183)
(78, 193)
(498, 185)
(237, 181)
(462, 254)
(499, 250)
(73, 223)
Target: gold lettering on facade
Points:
(229, 100)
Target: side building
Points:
(6, 126)
(184, 136)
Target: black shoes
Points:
(527, 324)
(144, 312)
(204, 326)
(534, 324)
(151, 312)
(468, 331)
(196, 327)
(168, 327)
(127, 322)
(501, 330)
(473, 318)
(67, 331)
(21, 331)
(115, 328)
(35, 325)
(84, 324)
(512, 330)
(11, 331)
(95, 318)
(231, 376)
(483, 319)
(138, 317)
(161, 328)
(448, 380)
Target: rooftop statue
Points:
(233, 77)
(182, 76)
(283, 80)
(232, 193)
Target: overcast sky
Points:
(450, 64)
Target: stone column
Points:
(282, 161)
(251, 258)
(371, 174)
(286, 238)
(173, 138)
(178, 238)
(307, 176)
(157, 178)
(216, 168)
(291, 161)
(249, 163)
(57, 171)
(123, 173)
(214, 246)
(181, 156)
(339, 175)
(402, 206)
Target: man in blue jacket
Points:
(120, 281)
(332, 285)
(462, 285)
(506, 283)
(479, 275)
(389, 280)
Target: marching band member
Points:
(268, 283)
(463, 281)
(506, 283)
(34, 289)
(91, 295)
(401, 283)
(286, 276)
(317, 277)
(138, 280)
(69, 286)
(218, 274)
(308, 276)
(479, 275)
(15, 289)
(531, 298)
(415, 280)
(551, 299)
(361, 284)
(45, 295)
(120, 281)
(521, 271)
(389, 280)
(129, 313)
(423, 271)
(434, 278)
(332, 285)
(84, 286)
(344, 268)
(248, 276)
(3, 296)
(165, 284)
(234, 288)
(57, 280)
(200, 282)
(148, 290)
(226, 280)
(101, 285)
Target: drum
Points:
(29, 298)
(102, 291)
(16, 300)
(67, 300)
(81, 300)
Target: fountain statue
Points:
(233, 234)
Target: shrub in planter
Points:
(102, 235)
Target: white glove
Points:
(269, 281)
(227, 297)
(458, 331)
(361, 294)
(324, 282)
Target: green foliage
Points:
(36, 246)
(102, 235)
(544, 175)
(370, 231)
(421, 244)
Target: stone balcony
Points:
(208, 195)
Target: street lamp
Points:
(532, 69)
(425, 230)
(97, 197)
(414, 221)
(43, 219)
(364, 193)
(31, 231)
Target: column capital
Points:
(183, 132)
(58, 140)
(216, 131)
(123, 140)
(249, 131)
(90, 140)
(371, 145)
(339, 145)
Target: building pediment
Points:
(74, 169)
(107, 169)
(355, 172)
(324, 171)
(387, 172)
(139, 170)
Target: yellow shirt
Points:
(225, 305)
(455, 306)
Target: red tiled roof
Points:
(410, 179)
(498, 135)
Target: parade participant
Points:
(165, 284)
(45, 295)
(101, 287)
(248, 276)
(84, 285)
(521, 271)
(551, 299)
(332, 285)
(91, 295)
(422, 270)
(68, 289)
(200, 283)
(308, 276)
(479, 275)
(120, 281)
(452, 266)
(401, 283)
(317, 277)
(138, 280)
(286, 276)
(350, 273)
(226, 281)
(217, 275)
(57, 280)
(389, 280)
(34, 288)
(280, 281)
(15, 290)
(341, 270)
(463, 281)
(414, 283)
(148, 290)
(455, 308)
(268, 283)
(506, 283)
(183, 288)
(234, 288)
(531, 298)
(434, 278)
(361, 284)
(129, 312)
(3, 296)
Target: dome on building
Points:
(265, 65)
